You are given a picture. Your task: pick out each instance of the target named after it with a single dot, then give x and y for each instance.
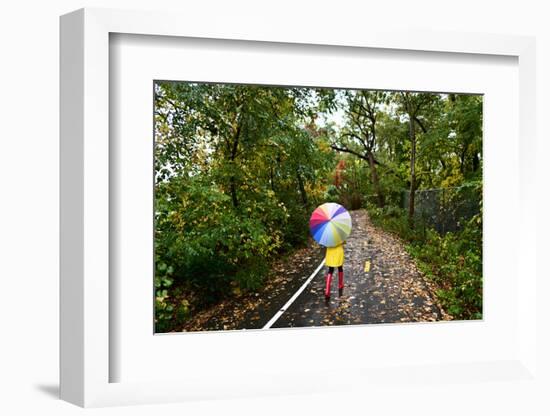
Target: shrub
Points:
(454, 262)
(212, 247)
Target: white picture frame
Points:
(85, 353)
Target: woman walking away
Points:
(330, 225)
(334, 257)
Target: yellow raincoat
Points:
(334, 256)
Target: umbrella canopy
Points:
(330, 224)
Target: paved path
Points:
(392, 290)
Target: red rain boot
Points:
(327, 287)
(340, 279)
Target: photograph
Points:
(300, 207)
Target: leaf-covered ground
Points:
(388, 289)
(392, 290)
(254, 310)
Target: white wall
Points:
(29, 56)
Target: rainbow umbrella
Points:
(330, 224)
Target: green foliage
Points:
(168, 312)
(394, 219)
(206, 241)
(454, 262)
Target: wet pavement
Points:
(389, 289)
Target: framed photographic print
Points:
(313, 206)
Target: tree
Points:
(359, 137)
(464, 115)
(413, 105)
(225, 122)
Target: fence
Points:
(445, 209)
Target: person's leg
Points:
(328, 282)
(340, 280)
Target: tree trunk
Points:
(233, 190)
(375, 179)
(475, 162)
(463, 160)
(232, 157)
(412, 136)
(301, 187)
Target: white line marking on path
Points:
(293, 298)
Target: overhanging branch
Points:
(347, 150)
